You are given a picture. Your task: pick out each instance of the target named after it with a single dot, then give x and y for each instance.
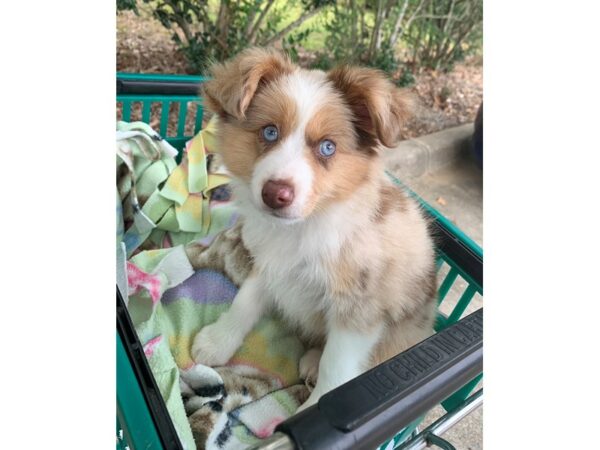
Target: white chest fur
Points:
(292, 261)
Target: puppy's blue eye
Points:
(270, 133)
(326, 148)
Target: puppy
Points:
(338, 251)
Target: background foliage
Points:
(397, 36)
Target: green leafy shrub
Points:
(127, 5)
(447, 31)
(401, 36)
(397, 36)
(367, 32)
(215, 31)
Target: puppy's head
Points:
(296, 140)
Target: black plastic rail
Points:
(373, 407)
(155, 87)
(154, 400)
(455, 249)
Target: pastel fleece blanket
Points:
(228, 407)
(185, 281)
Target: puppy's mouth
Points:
(281, 216)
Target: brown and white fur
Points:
(349, 261)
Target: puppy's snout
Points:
(277, 194)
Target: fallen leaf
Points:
(441, 201)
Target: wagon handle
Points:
(371, 408)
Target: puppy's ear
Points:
(234, 83)
(379, 107)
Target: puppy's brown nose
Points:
(277, 194)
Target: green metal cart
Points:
(382, 407)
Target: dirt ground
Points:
(446, 99)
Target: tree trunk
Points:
(362, 24)
(445, 58)
(375, 36)
(398, 24)
(295, 24)
(258, 23)
(354, 19)
(223, 19)
(180, 21)
(250, 19)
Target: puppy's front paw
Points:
(308, 367)
(214, 346)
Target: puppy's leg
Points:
(308, 367)
(346, 355)
(216, 343)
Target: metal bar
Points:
(462, 304)
(160, 77)
(439, 261)
(182, 116)
(444, 423)
(164, 118)
(156, 98)
(433, 439)
(447, 284)
(199, 114)
(126, 111)
(146, 111)
(440, 321)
